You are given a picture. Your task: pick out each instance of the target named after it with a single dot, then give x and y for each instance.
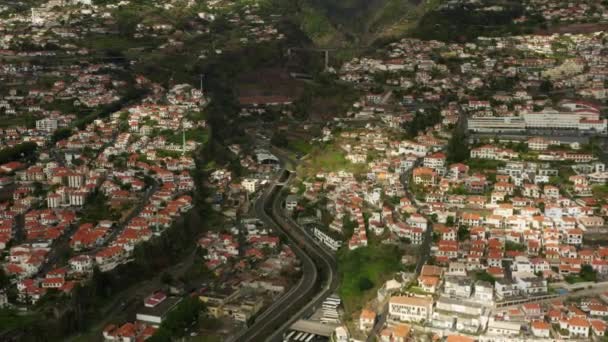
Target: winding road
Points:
(319, 270)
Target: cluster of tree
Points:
(588, 273)
(279, 140)
(19, 152)
(514, 246)
(86, 304)
(485, 276)
(348, 226)
(179, 320)
(130, 96)
(326, 95)
(60, 134)
(458, 147)
(97, 209)
(463, 233)
(422, 121)
(465, 22)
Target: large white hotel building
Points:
(572, 115)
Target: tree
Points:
(463, 233)
(4, 279)
(166, 278)
(485, 276)
(279, 140)
(365, 284)
(436, 237)
(449, 221)
(458, 149)
(348, 226)
(38, 189)
(160, 335)
(588, 274)
(422, 121)
(185, 315)
(521, 147)
(514, 246)
(18, 152)
(60, 134)
(546, 86)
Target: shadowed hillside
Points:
(356, 22)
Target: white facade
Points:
(251, 185)
(53, 200)
(46, 125)
(503, 328)
(326, 239)
(554, 119)
(75, 180)
(77, 199)
(410, 309)
(496, 124)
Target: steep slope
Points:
(358, 22)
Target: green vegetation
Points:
(91, 301)
(317, 26)
(279, 139)
(329, 158)
(396, 17)
(60, 134)
(484, 164)
(514, 246)
(484, 276)
(587, 274)
(327, 97)
(348, 227)
(20, 152)
(11, 319)
(466, 22)
(178, 321)
(97, 209)
(66, 106)
(168, 154)
(23, 119)
(200, 135)
(418, 290)
(129, 96)
(422, 121)
(600, 191)
(463, 233)
(363, 270)
(206, 338)
(458, 148)
(301, 146)
(355, 22)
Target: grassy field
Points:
(205, 338)
(328, 159)
(200, 135)
(300, 145)
(418, 290)
(363, 271)
(11, 319)
(318, 27)
(17, 120)
(600, 191)
(398, 17)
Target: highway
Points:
(319, 271)
(327, 262)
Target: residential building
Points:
(410, 309)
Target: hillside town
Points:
(512, 222)
(201, 171)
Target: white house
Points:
(410, 309)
